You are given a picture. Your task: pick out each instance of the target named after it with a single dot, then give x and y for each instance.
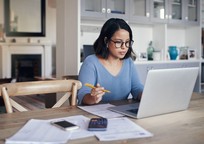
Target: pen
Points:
(91, 86)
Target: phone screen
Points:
(65, 125)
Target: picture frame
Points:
(183, 53)
(191, 54)
(143, 56)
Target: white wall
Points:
(176, 37)
(142, 35)
(88, 38)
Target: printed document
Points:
(101, 110)
(122, 128)
(37, 131)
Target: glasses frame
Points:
(126, 42)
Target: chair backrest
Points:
(1, 85)
(3, 81)
(69, 87)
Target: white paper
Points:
(122, 128)
(36, 131)
(41, 131)
(101, 110)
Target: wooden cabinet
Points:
(104, 9)
(159, 11)
(176, 11)
(139, 11)
(192, 11)
(93, 9)
(165, 11)
(148, 11)
(184, 12)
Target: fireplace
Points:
(25, 60)
(25, 67)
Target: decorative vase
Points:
(173, 52)
(150, 51)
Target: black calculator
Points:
(98, 124)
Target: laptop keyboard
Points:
(133, 110)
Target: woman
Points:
(111, 67)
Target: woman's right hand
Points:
(95, 95)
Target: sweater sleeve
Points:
(87, 74)
(137, 86)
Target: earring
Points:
(105, 41)
(106, 45)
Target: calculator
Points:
(98, 124)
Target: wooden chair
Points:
(2, 105)
(69, 87)
(1, 102)
(66, 77)
(75, 77)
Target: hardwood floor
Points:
(32, 102)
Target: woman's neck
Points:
(112, 65)
(113, 61)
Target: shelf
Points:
(191, 6)
(176, 3)
(159, 1)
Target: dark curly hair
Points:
(109, 28)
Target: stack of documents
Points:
(41, 131)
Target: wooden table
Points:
(185, 127)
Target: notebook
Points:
(165, 91)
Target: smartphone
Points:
(65, 125)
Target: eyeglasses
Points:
(119, 43)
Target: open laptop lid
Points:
(167, 90)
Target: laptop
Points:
(165, 91)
